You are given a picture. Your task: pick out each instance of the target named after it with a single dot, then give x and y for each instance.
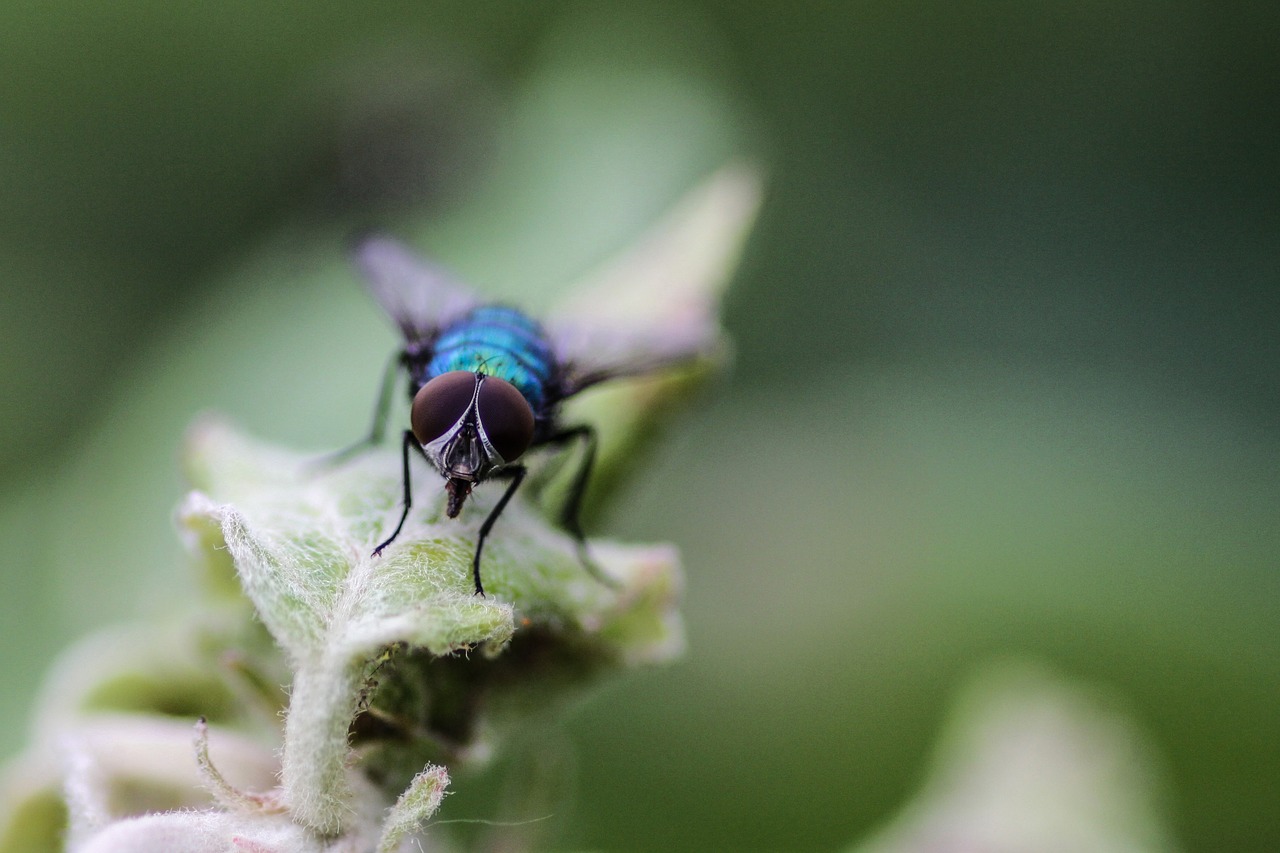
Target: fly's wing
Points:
(418, 295)
(594, 351)
(657, 305)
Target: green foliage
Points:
(1004, 382)
(395, 666)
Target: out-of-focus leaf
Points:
(1031, 764)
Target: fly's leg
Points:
(409, 442)
(379, 428)
(514, 473)
(569, 515)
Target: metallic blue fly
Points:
(486, 383)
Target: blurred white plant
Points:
(1031, 764)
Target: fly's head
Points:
(468, 425)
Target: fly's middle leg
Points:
(378, 429)
(570, 514)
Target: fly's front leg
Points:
(570, 515)
(514, 473)
(409, 442)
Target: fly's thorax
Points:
(470, 423)
(501, 342)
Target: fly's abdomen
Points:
(497, 341)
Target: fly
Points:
(486, 382)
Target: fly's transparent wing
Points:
(418, 295)
(597, 351)
(657, 305)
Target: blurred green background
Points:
(1007, 350)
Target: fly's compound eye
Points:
(438, 404)
(506, 416)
